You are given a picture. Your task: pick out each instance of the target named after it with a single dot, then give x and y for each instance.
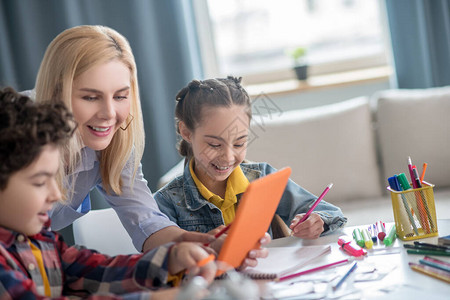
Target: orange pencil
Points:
(423, 172)
(205, 261)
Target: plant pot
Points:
(301, 72)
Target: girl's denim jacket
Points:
(184, 205)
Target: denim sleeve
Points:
(297, 200)
(166, 205)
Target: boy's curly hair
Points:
(26, 127)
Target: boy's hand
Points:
(186, 256)
(250, 260)
(311, 228)
(167, 294)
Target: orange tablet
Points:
(253, 217)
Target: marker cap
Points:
(381, 230)
(389, 239)
(358, 237)
(403, 181)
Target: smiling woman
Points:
(100, 102)
(92, 69)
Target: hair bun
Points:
(181, 94)
(236, 80)
(195, 84)
(199, 84)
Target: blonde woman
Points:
(92, 69)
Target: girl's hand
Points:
(186, 256)
(250, 260)
(311, 228)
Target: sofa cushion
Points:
(322, 145)
(171, 174)
(415, 123)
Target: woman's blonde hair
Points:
(71, 53)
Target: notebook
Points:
(444, 240)
(285, 260)
(253, 216)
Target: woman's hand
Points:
(311, 228)
(217, 243)
(216, 230)
(175, 234)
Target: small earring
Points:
(132, 118)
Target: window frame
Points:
(210, 63)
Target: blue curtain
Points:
(161, 34)
(420, 37)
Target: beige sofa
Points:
(357, 144)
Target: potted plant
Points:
(300, 65)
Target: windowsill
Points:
(320, 81)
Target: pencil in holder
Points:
(414, 212)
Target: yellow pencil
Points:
(430, 271)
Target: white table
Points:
(401, 283)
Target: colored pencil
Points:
(346, 275)
(422, 197)
(420, 202)
(430, 271)
(225, 229)
(434, 264)
(305, 216)
(428, 252)
(205, 261)
(222, 231)
(437, 247)
(437, 261)
(424, 169)
(314, 269)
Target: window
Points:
(252, 38)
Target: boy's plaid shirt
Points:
(76, 271)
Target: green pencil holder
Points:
(414, 212)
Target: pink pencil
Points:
(316, 203)
(314, 269)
